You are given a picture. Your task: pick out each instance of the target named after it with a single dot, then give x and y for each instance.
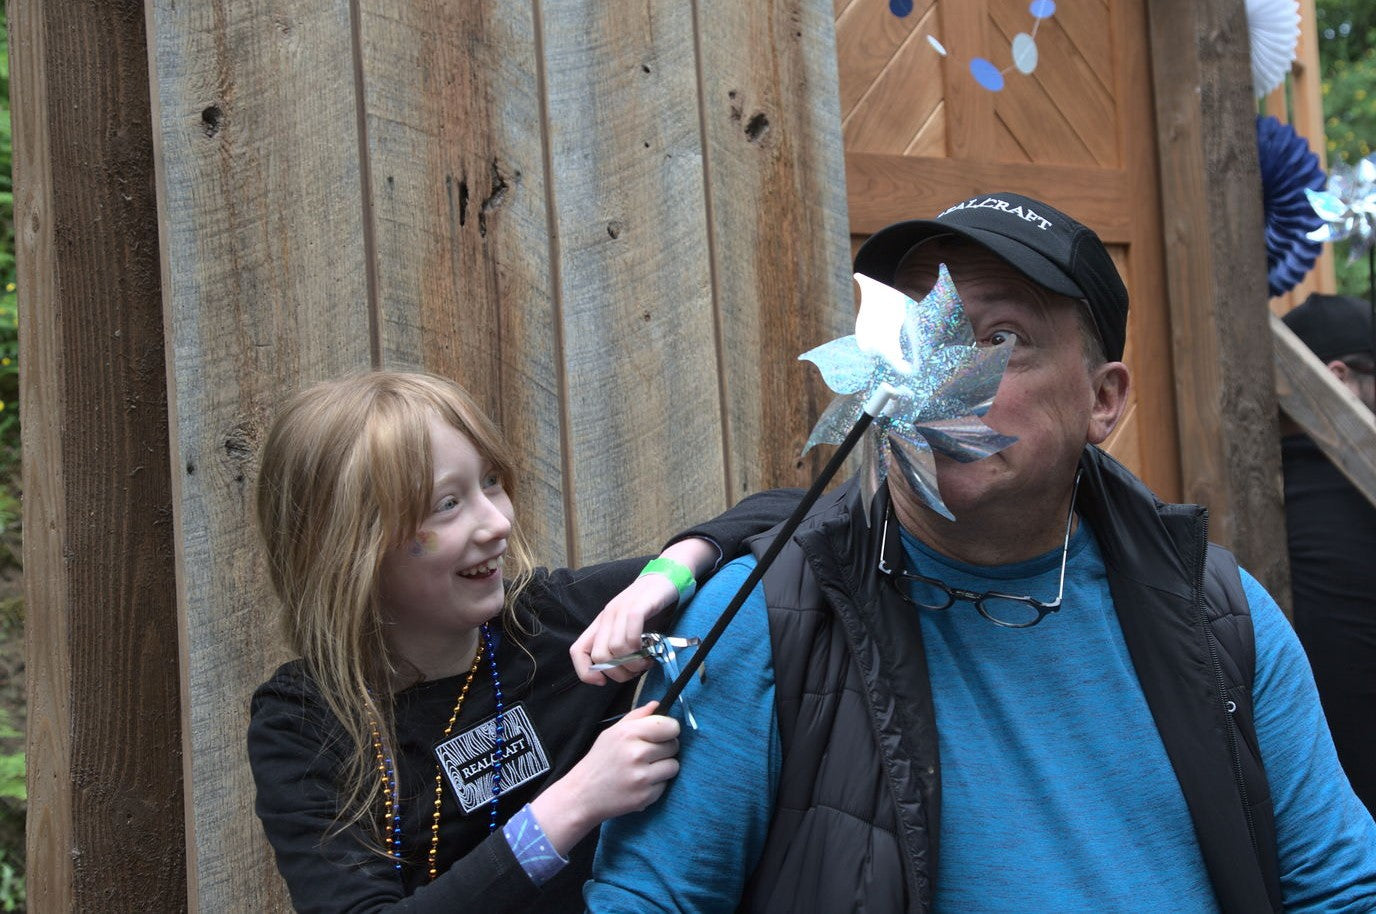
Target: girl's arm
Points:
(626, 770)
(699, 551)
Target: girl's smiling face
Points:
(438, 587)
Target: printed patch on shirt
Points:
(466, 759)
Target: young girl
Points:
(423, 753)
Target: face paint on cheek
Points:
(425, 543)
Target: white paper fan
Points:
(1274, 27)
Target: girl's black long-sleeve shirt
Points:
(297, 752)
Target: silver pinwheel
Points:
(944, 383)
(1347, 205)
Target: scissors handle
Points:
(650, 640)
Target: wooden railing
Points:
(1325, 409)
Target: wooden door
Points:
(1077, 131)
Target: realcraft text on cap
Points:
(1039, 241)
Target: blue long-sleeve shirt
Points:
(1056, 790)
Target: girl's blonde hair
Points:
(346, 475)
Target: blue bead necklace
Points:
(499, 726)
(391, 789)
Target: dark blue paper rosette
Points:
(1287, 169)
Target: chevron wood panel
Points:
(1063, 112)
(902, 97)
(897, 91)
(931, 137)
(1086, 23)
(869, 38)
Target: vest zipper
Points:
(1228, 706)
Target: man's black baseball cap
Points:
(1332, 326)
(1039, 241)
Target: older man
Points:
(887, 729)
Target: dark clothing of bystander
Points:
(1332, 533)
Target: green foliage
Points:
(9, 309)
(12, 793)
(11, 886)
(11, 763)
(1347, 60)
(12, 788)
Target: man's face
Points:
(1362, 382)
(1050, 398)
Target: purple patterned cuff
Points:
(532, 849)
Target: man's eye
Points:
(1000, 337)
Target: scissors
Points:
(652, 647)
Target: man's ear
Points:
(1110, 382)
(1339, 369)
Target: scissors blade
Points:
(650, 639)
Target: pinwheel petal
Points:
(837, 420)
(879, 325)
(844, 366)
(965, 439)
(1327, 204)
(914, 459)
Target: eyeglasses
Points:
(1005, 609)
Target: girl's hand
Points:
(617, 629)
(625, 771)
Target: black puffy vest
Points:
(856, 819)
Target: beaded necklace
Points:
(391, 788)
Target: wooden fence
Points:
(617, 223)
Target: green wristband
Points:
(678, 574)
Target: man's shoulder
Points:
(724, 584)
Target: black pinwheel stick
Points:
(873, 407)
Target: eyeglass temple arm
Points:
(1069, 522)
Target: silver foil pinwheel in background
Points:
(1347, 205)
(945, 384)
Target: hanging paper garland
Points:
(1273, 27)
(1024, 45)
(1288, 170)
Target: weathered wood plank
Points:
(1149, 350)
(1325, 409)
(458, 195)
(265, 284)
(778, 214)
(104, 741)
(1216, 278)
(48, 750)
(643, 411)
(885, 189)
